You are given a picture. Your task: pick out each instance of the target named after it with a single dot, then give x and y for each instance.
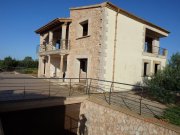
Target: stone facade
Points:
(87, 46)
(103, 120)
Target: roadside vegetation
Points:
(25, 66)
(172, 114)
(164, 86)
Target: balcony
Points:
(155, 51)
(60, 46)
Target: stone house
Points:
(101, 41)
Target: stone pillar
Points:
(165, 52)
(40, 66)
(50, 40)
(50, 36)
(61, 65)
(41, 39)
(41, 43)
(48, 68)
(63, 36)
(155, 47)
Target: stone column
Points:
(41, 39)
(63, 36)
(155, 47)
(48, 68)
(50, 36)
(50, 40)
(165, 52)
(62, 65)
(44, 65)
(40, 66)
(41, 43)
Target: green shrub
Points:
(172, 114)
(165, 84)
(27, 70)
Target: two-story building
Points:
(101, 41)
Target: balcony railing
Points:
(155, 50)
(58, 45)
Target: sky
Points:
(20, 18)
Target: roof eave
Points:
(87, 7)
(50, 24)
(117, 9)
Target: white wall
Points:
(55, 65)
(106, 57)
(129, 54)
(130, 41)
(129, 47)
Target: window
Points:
(156, 68)
(148, 44)
(145, 72)
(84, 28)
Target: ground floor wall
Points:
(102, 120)
(161, 60)
(86, 65)
(76, 68)
(52, 66)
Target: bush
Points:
(10, 64)
(156, 87)
(165, 84)
(172, 115)
(27, 70)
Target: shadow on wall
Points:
(82, 125)
(56, 120)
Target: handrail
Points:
(51, 45)
(155, 50)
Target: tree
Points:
(28, 61)
(165, 84)
(9, 63)
(1, 63)
(28, 58)
(12, 64)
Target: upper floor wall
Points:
(85, 29)
(127, 43)
(85, 35)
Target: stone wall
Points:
(103, 120)
(87, 46)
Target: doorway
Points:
(83, 69)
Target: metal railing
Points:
(131, 97)
(155, 50)
(31, 88)
(63, 44)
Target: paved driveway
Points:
(15, 86)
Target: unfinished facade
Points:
(101, 41)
